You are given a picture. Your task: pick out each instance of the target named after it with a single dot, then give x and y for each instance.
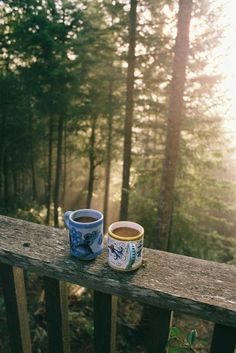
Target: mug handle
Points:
(132, 254)
(66, 218)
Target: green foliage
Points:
(179, 342)
(52, 62)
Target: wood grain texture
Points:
(188, 285)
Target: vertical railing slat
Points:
(223, 339)
(158, 330)
(105, 309)
(57, 315)
(16, 308)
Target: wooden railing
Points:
(166, 281)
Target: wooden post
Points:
(57, 315)
(157, 329)
(105, 309)
(223, 340)
(16, 308)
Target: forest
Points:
(115, 105)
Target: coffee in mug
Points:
(85, 219)
(125, 232)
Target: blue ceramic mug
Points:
(85, 232)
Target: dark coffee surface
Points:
(126, 232)
(85, 219)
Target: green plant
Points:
(179, 342)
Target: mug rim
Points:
(127, 224)
(88, 224)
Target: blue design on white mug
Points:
(117, 252)
(85, 238)
(132, 255)
(139, 248)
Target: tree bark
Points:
(23, 182)
(34, 188)
(49, 181)
(108, 154)
(128, 113)
(64, 165)
(5, 181)
(15, 174)
(166, 197)
(56, 197)
(2, 148)
(92, 162)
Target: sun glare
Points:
(227, 65)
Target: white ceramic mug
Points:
(125, 251)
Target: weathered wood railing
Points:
(168, 282)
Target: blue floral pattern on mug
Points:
(89, 238)
(75, 241)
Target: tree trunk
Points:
(49, 181)
(56, 197)
(5, 181)
(128, 113)
(64, 165)
(92, 164)
(166, 197)
(23, 181)
(34, 188)
(108, 154)
(15, 174)
(2, 148)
